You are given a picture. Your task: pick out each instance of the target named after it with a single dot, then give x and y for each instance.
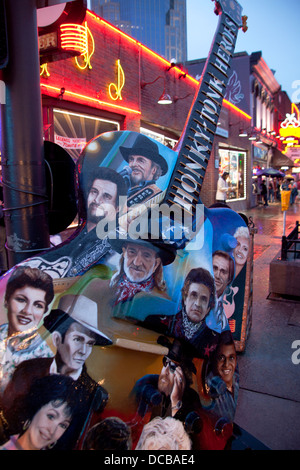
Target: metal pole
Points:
(22, 137)
(284, 222)
(283, 248)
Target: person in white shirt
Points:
(222, 188)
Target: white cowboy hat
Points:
(82, 310)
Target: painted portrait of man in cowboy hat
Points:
(141, 266)
(147, 165)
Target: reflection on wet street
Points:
(269, 222)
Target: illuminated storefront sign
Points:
(290, 134)
(293, 153)
(79, 38)
(44, 72)
(85, 99)
(73, 37)
(290, 127)
(115, 90)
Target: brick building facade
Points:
(115, 84)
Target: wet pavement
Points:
(269, 398)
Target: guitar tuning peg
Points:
(244, 26)
(217, 9)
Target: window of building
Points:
(167, 141)
(73, 130)
(234, 162)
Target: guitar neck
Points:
(195, 145)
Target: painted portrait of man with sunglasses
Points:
(169, 393)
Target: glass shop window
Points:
(167, 141)
(73, 130)
(234, 162)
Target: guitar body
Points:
(148, 293)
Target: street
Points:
(269, 399)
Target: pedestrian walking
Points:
(271, 192)
(294, 193)
(264, 193)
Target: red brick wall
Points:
(172, 116)
(138, 63)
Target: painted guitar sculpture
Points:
(128, 281)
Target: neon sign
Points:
(117, 32)
(78, 38)
(55, 90)
(115, 90)
(44, 72)
(290, 127)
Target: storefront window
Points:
(234, 162)
(73, 130)
(167, 141)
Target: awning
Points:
(270, 172)
(279, 159)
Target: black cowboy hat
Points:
(175, 351)
(164, 249)
(147, 148)
(178, 352)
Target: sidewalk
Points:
(269, 399)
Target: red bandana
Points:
(128, 289)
